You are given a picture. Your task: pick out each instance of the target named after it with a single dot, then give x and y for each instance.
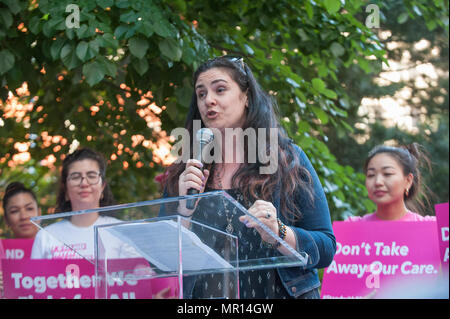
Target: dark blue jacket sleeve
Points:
(314, 233)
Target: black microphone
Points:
(204, 136)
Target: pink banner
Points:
(17, 248)
(383, 260)
(442, 225)
(74, 279)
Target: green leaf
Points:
(55, 48)
(364, 64)
(131, 31)
(163, 28)
(58, 23)
(6, 61)
(183, 95)
(321, 115)
(6, 18)
(309, 9)
(332, 6)
(402, 18)
(48, 29)
(70, 33)
(82, 49)
(94, 48)
(93, 72)
(330, 94)
(13, 5)
(122, 4)
(120, 31)
(108, 41)
(66, 50)
(35, 25)
(145, 28)
(318, 84)
(69, 57)
(180, 5)
(337, 49)
(109, 67)
(347, 127)
(138, 47)
(140, 65)
(431, 25)
(304, 127)
(82, 31)
(170, 48)
(129, 17)
(322, 70)
(188, 55)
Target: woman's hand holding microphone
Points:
(193, 177)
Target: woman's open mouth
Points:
(212, 114)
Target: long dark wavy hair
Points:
(107, 198)
(260, 113)
(411, 158)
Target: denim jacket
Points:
(313, 233)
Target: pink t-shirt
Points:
(408, 217)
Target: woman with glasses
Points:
(82, 186)
(290, 200)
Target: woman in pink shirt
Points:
(393, 183)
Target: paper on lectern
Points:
(158, 243)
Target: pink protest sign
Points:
(17, 248)
(382, 260)
(442, 225)
(72, 279)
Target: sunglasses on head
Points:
(237, 60)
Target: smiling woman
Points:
(19, 205)
(393, 182)
(82, 186)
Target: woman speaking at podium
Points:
(290, 200)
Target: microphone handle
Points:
(190, 203)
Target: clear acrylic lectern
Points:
(154, 245)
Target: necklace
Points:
(229, 229)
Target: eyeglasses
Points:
(76, 179)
